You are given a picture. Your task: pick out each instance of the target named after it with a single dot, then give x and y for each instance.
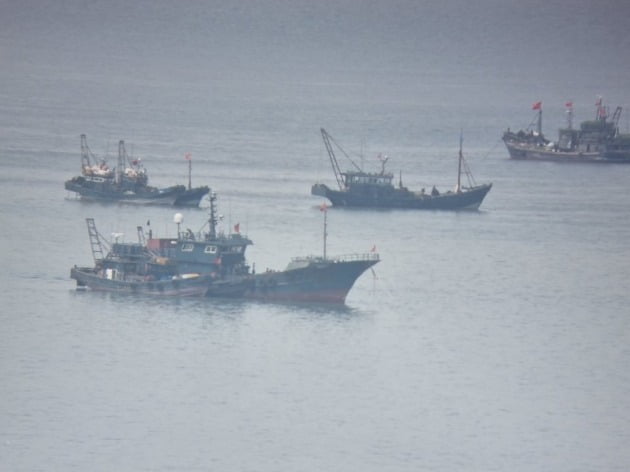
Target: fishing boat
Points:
(213, 264)
(132, 268)
(315, 278)
(358, 188)
(128, 182)
(597, 140)
(136, 268)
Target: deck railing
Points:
(367, 256)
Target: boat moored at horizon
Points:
(597, 140)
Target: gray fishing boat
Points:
(597, 140)
(213, 264)
(128, 182)
(357, 188)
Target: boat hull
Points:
(172, 287)
(322, 281)
(469, 199)
(326, 281)
(532, 152)
(105, 190)
(214, 265)
(191, 197)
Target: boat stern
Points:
(319, 190)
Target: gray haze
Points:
(369, 50)
(488, 341)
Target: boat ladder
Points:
(141, 238)
(95, 241)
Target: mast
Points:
(538, 106)
(383, 160)
(121, 161)
(324, 209)
(85, 153)
(600, 109)
(188, 157)
(615, 119)
(569, 106)
(212, 222)
(458, 189)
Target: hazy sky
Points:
(440, 54)
(219, 38)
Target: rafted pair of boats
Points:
(128, 182)
(213, 264)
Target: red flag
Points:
(237, 228)
(323, 207)
(188, 156)
(537, 106)
(568, 104)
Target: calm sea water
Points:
(485, 341)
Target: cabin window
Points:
(210, 249)
(237, 249)
(187, 247)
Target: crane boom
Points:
(85, 153)
(616, 116)
(328, 142)
(333, 158)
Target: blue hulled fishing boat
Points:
(357, 188)
(213, 264)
